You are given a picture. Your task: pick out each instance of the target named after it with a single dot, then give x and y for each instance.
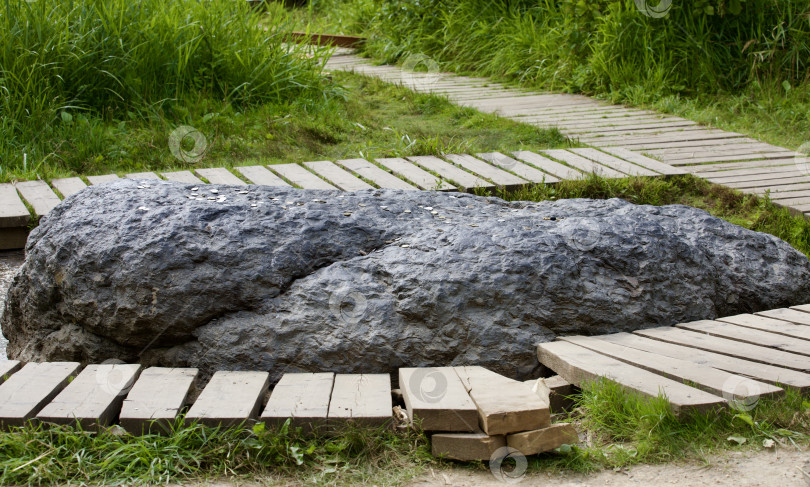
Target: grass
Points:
(625, 428)
(369, 119)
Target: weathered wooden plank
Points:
(437, 400)
(337, 176)
(39, 195)
(787, 314)
(749, 335)
(728, 347)
(68, 186)
(614, 162)
(300, 176)
(486, 170)
(261, 175)
(301, 398)
(363, 399)
(13, 212)
(229, 399)
(457, 176)
(219, 175)
(142, 175)
(552, 167)
(504, 405)
(769, 324)
(709, 379)
(523, 170)
(104, 178)
(763, 372)
(157, 397)
(378, 176)
(805, 308)
(93, 399)
(29, 390)
(415, 174)
(583, 164)
(182, 177)
(577, 365)
(543, 440)
(466, 447)
(641, 160)
(13, 238)
(7, 368)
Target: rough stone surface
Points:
(288, 280)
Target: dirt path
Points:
(780, 468)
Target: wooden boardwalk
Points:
(699, 366)
(453, 172)
(726, 158)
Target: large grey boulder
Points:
(225, 277)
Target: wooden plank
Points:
(93, 399)
(504, 405)
(29, 390)
(261, 175)
(415, 174)
(749, 335)
(104, 178)
(157, 397)
(523, 170)
(577, 365)
(641, 160)
(39, 195)
(583, 164)
(229, 399)
(142, 175)
(13, 238)
(487, 171)
(13, 212)
(543, 440)
(182, 177)
(804, 308)
(769, 324)
(219, 175)
(301, 398)
(300, 177)
(378, 176)
(759, 371)
(7, 368)
(552, 167)
(457, 176)
(437, 400)
(792, 315)
(614, 162)
(728, 347)
(466, 447)
(709, 379)
(363, 399)
(337, 176)
(68, 186)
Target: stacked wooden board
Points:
(471, 413)
(723, 157)
(453, 172)
(698, 366)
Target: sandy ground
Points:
(782, 468)
(10, 261)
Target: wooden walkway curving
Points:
(453, 172)
(698, 366)
(726, 158)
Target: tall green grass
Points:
(70, 68)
